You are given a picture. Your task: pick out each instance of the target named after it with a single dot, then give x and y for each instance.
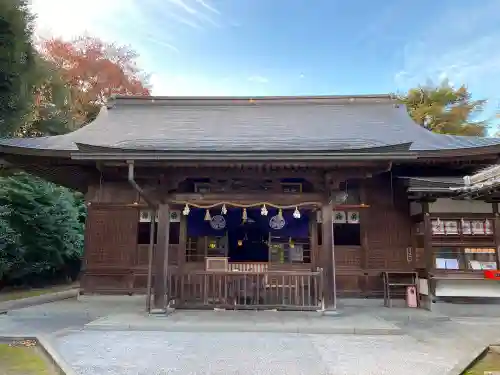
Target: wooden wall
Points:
(114, 261)
(385, 237)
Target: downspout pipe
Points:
(131, 180)
(153, 207)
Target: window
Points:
(470, 258)
(143, 233)
(448, 258)
(290, 250)
(347, 234)
(144, 228)
(174, 233)
(480, 258)
(195, 251)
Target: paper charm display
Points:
(437, 227)
(451, 227)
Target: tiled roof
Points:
(433, 184)
(260, 124)
(485, 180)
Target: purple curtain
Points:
(286, 227)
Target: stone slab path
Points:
(247, 321)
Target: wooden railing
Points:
(248, 266)
(293, 290)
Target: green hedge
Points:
(41, 231)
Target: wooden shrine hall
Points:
(268, 202)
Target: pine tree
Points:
(445, 109)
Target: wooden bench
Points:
(395, 280)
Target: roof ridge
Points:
(249, 100)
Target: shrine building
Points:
(272, 202)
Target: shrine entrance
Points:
(256, 257)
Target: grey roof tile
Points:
(232, 124)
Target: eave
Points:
(241, 156)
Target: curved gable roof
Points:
(273, 124)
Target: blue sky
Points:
(293, 47)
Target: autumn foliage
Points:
(95, 70)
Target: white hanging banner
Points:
(175, 216)
(353, 217)
(339, 217)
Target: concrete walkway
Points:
(221, 342)
(247, 321)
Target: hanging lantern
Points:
(185, 211)
(263, 211)
(207, 215)
(240, 243)
(224, 209)
(280, 213)
(296, 213)
(291, 243)
(244, 217)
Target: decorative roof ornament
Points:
(296, 213)
(263, 210)
(207, 216)
(185, 211)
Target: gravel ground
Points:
(426, 346)
(134, 353)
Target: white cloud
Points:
(127, 22)
(69, 18)
(456, 46)
(258, 79)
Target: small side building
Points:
(267, 201)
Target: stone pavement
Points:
(426, 343)
(247, 321)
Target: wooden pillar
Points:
(327, 256)
(181, 255)
(429, 256)
(161, 258)
(364, 219)
(496, 228)
(313, 241)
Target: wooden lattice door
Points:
(111, 236)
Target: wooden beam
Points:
(246, 198)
